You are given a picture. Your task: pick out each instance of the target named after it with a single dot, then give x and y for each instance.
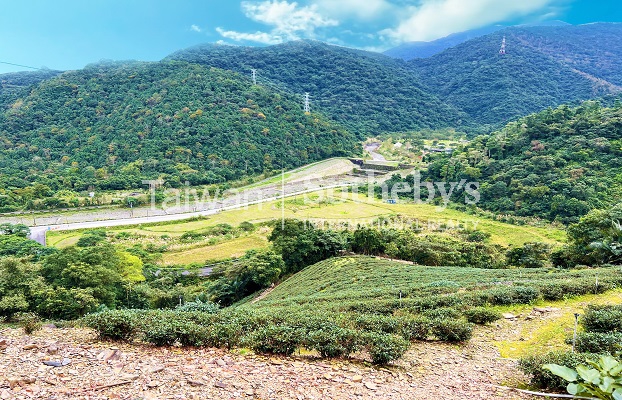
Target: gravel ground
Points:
(104, 370)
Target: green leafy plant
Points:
(602, 379)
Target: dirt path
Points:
(428, 371)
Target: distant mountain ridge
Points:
(366, 92)
(410, 50)
(14, 81)
(543, 67)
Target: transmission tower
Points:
(307, 103)
(254, 76)
(502, 51)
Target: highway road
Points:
(38, 232)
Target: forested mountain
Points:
(366, 92)
(112, 125)
(410, 50)
(544, 66)
(14, 81)
(556, 165)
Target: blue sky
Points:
(68, 34)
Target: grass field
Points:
(332, 207)
(231, 249)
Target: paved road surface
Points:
(38, 233)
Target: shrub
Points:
(376, 323)
(161, 333)
(604, 319)
(452, 330)
(280, 339)
(442, 313)
(30, 322)
(599, 343)
(247, 226)
(532, 367)
(200, 306)
(414, 328)
(334, 341)
(512, 295)
(114, 324)
(192, 334)
(482, 315)
(384, 348)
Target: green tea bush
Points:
(162, 333)
(512, 295)
(414, 327)
(334, 341)
(442, 313)
(192, 334)
(376, 323)
(604, 319)
(599, 343)
(532, 367)
(482, 315)
(114, 324)
(452, 330)
(384, 348)
(200, 306)
(283, 340)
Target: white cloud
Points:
(259, 37)
(287, 20)
(361, 9)
(433, 19)
(195, 28)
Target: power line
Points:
(19, 65)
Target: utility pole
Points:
(307, 104)
(502, 51)
(254, 76)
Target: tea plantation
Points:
(356, 305)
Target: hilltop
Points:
(557, 164)
(543, 67)
(112, 125)
(367, 92)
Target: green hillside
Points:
(367, 92)
(15, 81)
(374, 285)
(556, 165)
(543, 67)
(109, 126)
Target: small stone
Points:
(276, 361)
(153, 384)
(508, 316)
(357, 378)
(30, 346)
(327, 376)
(65, 361)
(52, 350)
(249, 392)
(220, 385)
(156, 369)
(112, 354)
(371, 386)
(195, 383)
(221, 363)
(51, 363)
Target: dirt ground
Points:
(104, 370)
